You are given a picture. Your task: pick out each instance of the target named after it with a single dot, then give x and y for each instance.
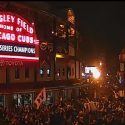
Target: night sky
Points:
(101, 24)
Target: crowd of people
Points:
(80, 111)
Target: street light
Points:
(100, 63)
(96, 76)
(59, 55)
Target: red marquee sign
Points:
(18, 41)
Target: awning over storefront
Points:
(25, 87)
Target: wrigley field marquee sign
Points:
(18, 41)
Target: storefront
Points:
(20, 46)
(23, 99)
(2, 100)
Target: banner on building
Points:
(40, 98)
(45, 54)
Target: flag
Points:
(87, 107)
(121, 93)
(40, 98)
(92, 106)
(115, 94)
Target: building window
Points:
(69, 71)
(41, 72)
(26, 72)
(72, 71)
(22, 99)
(58, 72)
(17, 73)
(48, 72)
(63, 72)
(1, 100)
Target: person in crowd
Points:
(70, 112)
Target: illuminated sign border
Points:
(19, 57)
(25, 32)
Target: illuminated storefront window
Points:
(50, 98)
(22, 99)
(1, 100)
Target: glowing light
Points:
(15, 28)
(83, 74)
(36, 42)
(57, 74)
(100, 63)
(19, 57)
(62, 26)
(59, 56)
(17, 35)
(52, 32)
(96, 73)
